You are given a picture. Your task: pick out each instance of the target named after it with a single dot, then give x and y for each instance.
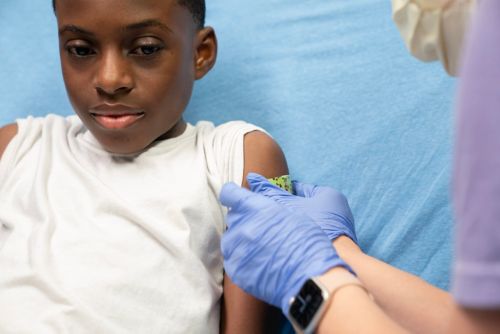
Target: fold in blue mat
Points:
(330, 80)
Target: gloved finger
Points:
(230, 242)
(231, 194)
(260, 184)
(239, 200)
(242, 201)
(329, 194)
(303, 189)
(334, 196)
(256, 178)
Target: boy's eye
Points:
(146, 50)
(80, 51)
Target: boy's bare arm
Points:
(6, 134)
(241, 312)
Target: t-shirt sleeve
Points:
(32, 134)
(28, 132)
(476, 280)
(228, 148)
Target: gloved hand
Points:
(269, 250)
(325, 205)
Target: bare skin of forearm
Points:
(261, 318)
(352, 310)
(413, 303)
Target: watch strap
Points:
(320, 290)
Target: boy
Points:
(109, 220)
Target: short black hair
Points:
(196, 7)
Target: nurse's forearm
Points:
(414, 304)
(351, 310)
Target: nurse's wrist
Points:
(332, 277)
(345, 247)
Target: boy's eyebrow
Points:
(148, 24)
(133, 26)
(75, 29)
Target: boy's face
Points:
(129, 67)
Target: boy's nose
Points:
(113, 75)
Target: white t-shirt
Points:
(96, 243)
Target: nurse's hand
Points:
(269, 249)
(326, 206)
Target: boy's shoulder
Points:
(228, 128)
(259, 146)
(254, 136)
(31, 128)
(226, 136)
(48, 122)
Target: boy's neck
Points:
(177, 130)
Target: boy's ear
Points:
(206, 51)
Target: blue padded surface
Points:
(330, 80)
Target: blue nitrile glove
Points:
(326, 206)
(269, 250)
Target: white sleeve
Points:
(228, 146)
(29, 130)
(434, 29)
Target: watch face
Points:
(306, 303)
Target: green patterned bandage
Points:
(283, 181)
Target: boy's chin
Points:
(131, 139)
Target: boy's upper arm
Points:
(242, 313)
(6, 134)
(263, 156)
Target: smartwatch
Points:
(308, 306)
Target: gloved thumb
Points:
(231, 195)
(241, 200)
(304, 189)
(260, 184)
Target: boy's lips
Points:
(116, 116)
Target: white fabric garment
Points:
(434, 29)
(96, 243)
